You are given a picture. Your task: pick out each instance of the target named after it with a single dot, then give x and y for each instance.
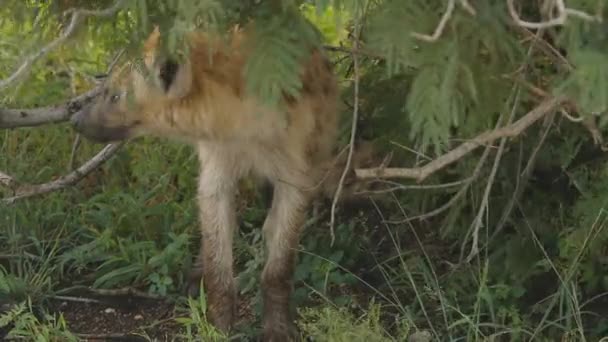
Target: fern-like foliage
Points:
(279, 45)
(587, 48)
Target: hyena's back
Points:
(301, 130)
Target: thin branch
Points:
(463, 190)
(353, 132)
(467, 6)
(440, 27)
(75, 145)
(71, 178)
(8, 181)
(483, 208)
(76, 299)
(513, 130)
(13, 118)
(398, 186)
(522, 180)
(78, 16)
(30, 117)
(562, 15)
(125, 291)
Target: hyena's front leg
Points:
(282, 231)
(214, 262)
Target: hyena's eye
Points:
(114, 98)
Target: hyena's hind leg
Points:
(282, 230)
(214, 264)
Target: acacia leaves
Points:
(279, 45)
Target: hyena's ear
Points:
(173, 79)
(150, 48)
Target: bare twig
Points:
(483, 208)
(522, 180)
(440, 27)
(562, 15)
(353, 132)
(30, 117)
(467, 6)
(12, 118)
(463, 190)
(7, 181)
(76, 299)
(73, 177)
(125, 291)
(75, 146)
(78, 15)
(394, 186)
(513, 130)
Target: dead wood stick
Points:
(71, 178)
(421, 173)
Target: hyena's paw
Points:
(280, 330)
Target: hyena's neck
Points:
(176, 122)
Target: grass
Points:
(133, 223)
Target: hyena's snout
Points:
(96, 129)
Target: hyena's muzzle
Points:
(93, 125)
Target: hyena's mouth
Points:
(99, 132)
(106, 134)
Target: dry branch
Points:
(7, 181)
(421, 173)
(353, 132)
(563, 13)
(30, 117)
(440, 27)
(71, 178)
(78, 16)
(12, 118)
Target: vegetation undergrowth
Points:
(124, 237)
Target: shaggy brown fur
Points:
(203, 101)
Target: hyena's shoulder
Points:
(224, 58)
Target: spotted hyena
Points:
(203, 101)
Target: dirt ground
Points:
(118, 318)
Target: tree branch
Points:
(7, 181)
(440, 27)
(29, 117)
(562, 15)
(353, 131)
(421, 173)
(23, 191)
(78, 15)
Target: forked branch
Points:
(77, 17)
(30, 117)
(563, 13)
(26, 190)
(421, 173)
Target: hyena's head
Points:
(134, 97)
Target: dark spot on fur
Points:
(23, 114)
(167, 73)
